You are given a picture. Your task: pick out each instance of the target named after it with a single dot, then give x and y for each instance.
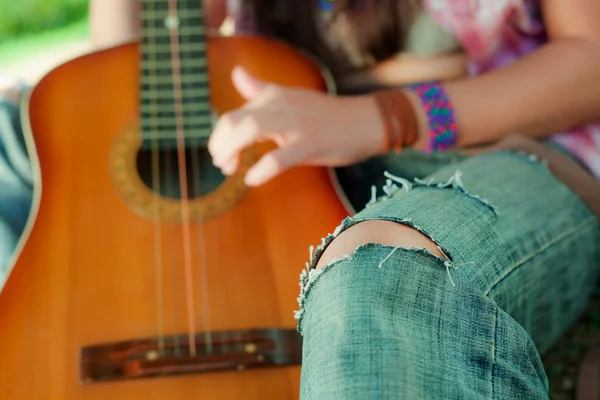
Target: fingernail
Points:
(216, 162)
(227, 170)
(252, 179)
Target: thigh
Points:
(521, 260)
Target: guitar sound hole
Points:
(202, 176)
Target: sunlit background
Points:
(37, 35)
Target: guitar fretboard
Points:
(174, 74)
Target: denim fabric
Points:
(397, 323)
(16, 187)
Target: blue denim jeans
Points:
(16, 187)
(402, 323)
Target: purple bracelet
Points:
(440, 113)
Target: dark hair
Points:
(376, 28)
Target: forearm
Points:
(405, 70)
(553, 89)
(114, 22)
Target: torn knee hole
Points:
(387, 233)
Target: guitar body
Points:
(93, 269)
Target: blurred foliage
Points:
(20, 17)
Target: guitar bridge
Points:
(172, 355)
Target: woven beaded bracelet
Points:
(440, 113)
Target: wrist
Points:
(422, 141)
(400, 125)
(367, 130)
(435, 105)
(421, 117)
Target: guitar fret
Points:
(184, 78)
(169, 101)
(172, 130)
(168, 94)
(202, 132)
(195, 120)
(183, 63)
(163, 119)
(182, 31)
(166, 48)
(165, 2)
(188, 135)
(164, 14)
(170, 108)
(159, 114)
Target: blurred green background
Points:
(25, 17)
(28, 26)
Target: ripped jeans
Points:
(402, 323)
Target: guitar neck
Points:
(174, 87)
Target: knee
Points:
(377, 231)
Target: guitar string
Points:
(202, 249)
(170, 191)
(181, 156)
(170, 188)
(197, 189)
(151, 43)
(200, 229)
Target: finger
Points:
(231, 166)
(246, 84)
(253, 128)
(275, 163)
(243, 134)
(257, 92)
(222, 133)
(222, 130)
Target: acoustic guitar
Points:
(143, 272)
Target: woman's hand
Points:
(310, 128)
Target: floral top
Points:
(493, 33)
